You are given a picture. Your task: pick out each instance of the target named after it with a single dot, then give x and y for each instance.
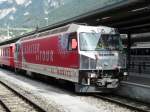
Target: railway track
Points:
(129, 103)
(11, 101)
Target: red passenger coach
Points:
(90, 57)
(7, 55)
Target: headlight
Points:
(125, 73)
(99, 67)
(92, 75)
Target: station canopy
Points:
(129, 16)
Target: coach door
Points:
(73, 57)
(18, 56)
(11, 56)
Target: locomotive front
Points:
(102, 60)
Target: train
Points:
(91, 57)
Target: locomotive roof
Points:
(68, 28)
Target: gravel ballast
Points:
(53, 99)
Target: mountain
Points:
(32, 13)
(26, 13)
(20, 16)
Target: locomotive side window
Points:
(72, 43)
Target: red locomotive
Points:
(91, 57)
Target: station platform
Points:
(136, 87)
(139, 78)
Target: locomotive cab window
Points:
(72, 43)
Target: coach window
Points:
(44, 55)
(4, 52)
(72, 45)
(7, 52)
(1, 52)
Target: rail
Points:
(129, 103)
(12, 101)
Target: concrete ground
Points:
(53, 99)
(136, 87)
